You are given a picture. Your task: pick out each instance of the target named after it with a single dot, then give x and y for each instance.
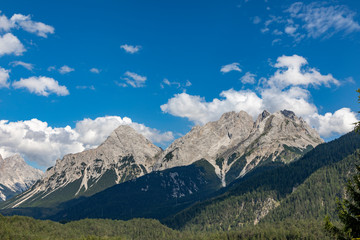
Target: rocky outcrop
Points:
(236, 144)
(16, 176)
(125, 155)
(233, 145)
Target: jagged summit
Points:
(16, 176)
(233, 145)
(123, 156)
(235, 142)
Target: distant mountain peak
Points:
(16, 176)
(123, 156)
(233, 145)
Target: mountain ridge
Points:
(233, 145)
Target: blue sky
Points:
(72, 71)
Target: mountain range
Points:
(231, 146)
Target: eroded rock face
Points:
(125, 155)
(16, 176)
(236, 144)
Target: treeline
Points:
(21, 228)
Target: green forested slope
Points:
(25, 228)
(250, 199)
(315, 198)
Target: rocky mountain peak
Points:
(236, 137)
(123, 156)
(288, 114)
(16, 176)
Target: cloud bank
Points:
(43, 144)
(285, 89)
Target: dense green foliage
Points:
(19, 228)
(155, 195)
(249, 199)
(348, 211)
(315, 197)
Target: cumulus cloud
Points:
(95, 70)
(66, 69)
(43, 144)
(339, 122)
(5, 23)
(133, 79)
(28, 66)
(230, 67)
(197, 110)
(4, 77)
(9, 44)
(291, 72)
(248, 78)
(29, 25)
(286, 89)
(25, 22)
(130, 48)
(43, 86)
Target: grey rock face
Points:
(235, 137)
(234, 145)
(16, 176)
(124, 155)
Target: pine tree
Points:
(357, 125)
(348, 212)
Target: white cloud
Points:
(313, 20)
(130, 48)
(248, 78)
(291, 72)
(290, 30)
(230, 67)
(95, 70)
(286, 89)
(320, 20)
(5, 23)
(28, 66)
(168, 83)
(66, 69)
(9, 44)
(4, 77)
(197, 110)
(341, 121)
(43, 144)
(25, 22)
(28, 25)
(41, 86)
(133, 79)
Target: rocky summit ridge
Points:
(16, 176)
(235, 142)
(123, 156)
(233, 145)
